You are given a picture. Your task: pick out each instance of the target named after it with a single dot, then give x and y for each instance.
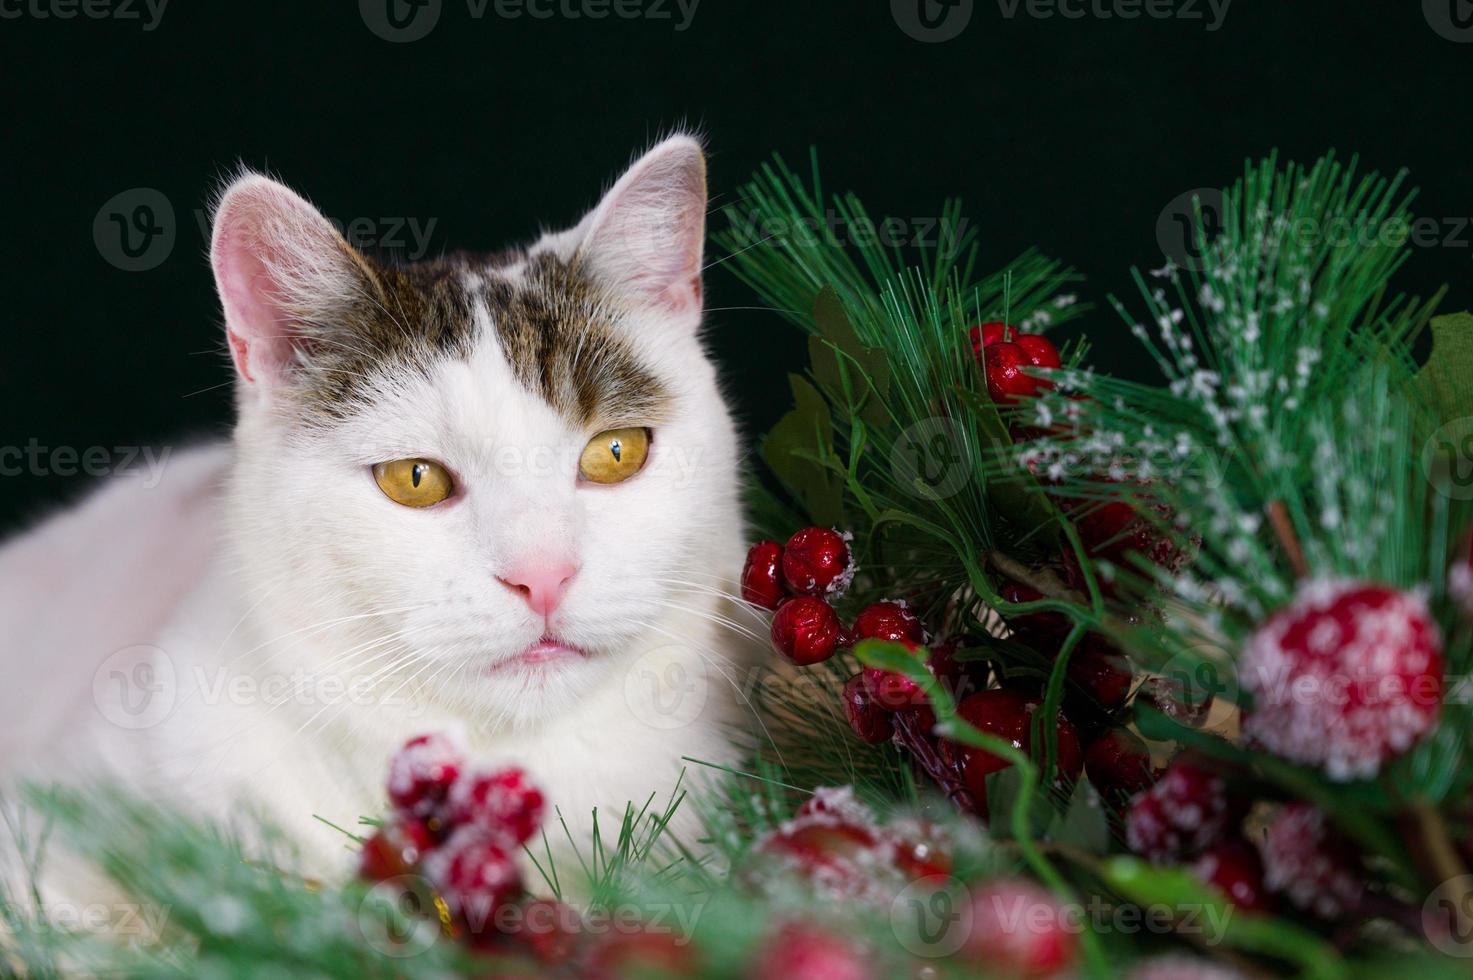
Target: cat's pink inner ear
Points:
(274, 256)
(647, 237)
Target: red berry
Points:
(870, 722)
(421, 773)
(762, 575)
(816, 561)
(1233, 867)
(888, 621)
(1186, 811)
(829, 851)
(960, 674)
(1040, 350)
(890, 691)
(548, 929)
(1020, 930)
(1101, 672)
(477, 876)
(1119, 764)
(986, 334)
(1005, 365)
(395, 849)
(1346, 677)
(1044, 624)
(807, 631)
(804, 952)
(1311, 864)
(503, 803)
(1009, 715)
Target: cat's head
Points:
(484, 479)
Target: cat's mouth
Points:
(547, 651)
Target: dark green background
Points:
(1071, 135)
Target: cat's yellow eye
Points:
(413, 482)
(615, 455)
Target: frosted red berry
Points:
(1346, 677)
(646, 952)
(477, 876)
(421, 773)
(866, 719)
(888, 621)
(1305, 860)
(504, 803)
(1119, 764)
(1005, 366)
(1234, 868)
(1040, 350)
(816, 561)
(807, 631)
(1019, 929)
(806, 952)
(922, 849)
(762, 575)
(1460, 577)
(1186, 811)
(1008, 715)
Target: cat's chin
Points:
(546, 654)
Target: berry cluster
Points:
(460, 828)
(1007, 356)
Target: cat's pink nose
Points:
(542, 585)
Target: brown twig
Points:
(923, 752)
(1278, 519)
(1041, 581)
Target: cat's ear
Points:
(284, 275)
(645, 239)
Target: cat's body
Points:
(268, 624)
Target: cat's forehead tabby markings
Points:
(553, 324)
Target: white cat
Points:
(497, 495)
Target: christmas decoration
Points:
(1256, 566)
(1346, 677)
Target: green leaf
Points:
(837, 344)
(1019, 497)
(1083, 824)
(1447, 378)
(795, 448)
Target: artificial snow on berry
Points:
(762, 583)
(421, 773)
(1309, 863)
(835, 846)
(817, 561)
(807, 631)
(888, 621)
(1234, 867)
(1346, 677)
(1020, 930)
(1186, 811)
(866, 719)
(503, 803)
(1005, 366)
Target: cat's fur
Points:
(277, 626)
